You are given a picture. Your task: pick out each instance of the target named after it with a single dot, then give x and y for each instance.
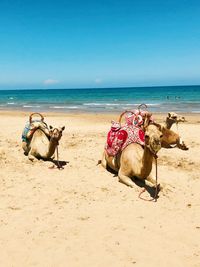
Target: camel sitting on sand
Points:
(42, 146)
(135, 160)
(170, 138)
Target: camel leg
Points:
(31, 157)
(125, 179)
(151, 180)
(25, 148)
(182, 145)
(109, 162)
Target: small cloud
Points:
(98, 80)
(50, 82)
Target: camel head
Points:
(56, 133)
(153, 135)
(173, 118)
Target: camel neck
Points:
(147, 161)
(53, 143)
(168, 123)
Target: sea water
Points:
(184, 99)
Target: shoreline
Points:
(99, 116)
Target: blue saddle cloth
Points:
(29, 126)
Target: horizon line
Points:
(99, 88)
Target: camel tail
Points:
(99, 162)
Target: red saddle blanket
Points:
(119, 138)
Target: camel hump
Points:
(31, 127)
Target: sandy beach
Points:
(81, 215)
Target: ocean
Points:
(184, 99)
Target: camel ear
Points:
(169, 115)
(160, 127)
(50, 127)
(183, 119)
(147, 120)
(61, 128)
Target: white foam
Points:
(109, 104)
(153, 104)
(130, 104)
(64, 107)
(119, 104)
(101, 104)
(30, 106)
(93, 104)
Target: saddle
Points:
(120, 136)
(32, 125)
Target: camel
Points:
(134, 160)
(173, 118)
(42, 146)
(170, 138)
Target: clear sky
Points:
(77, 44)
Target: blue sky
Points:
(77, 44)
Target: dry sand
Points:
(82, 215)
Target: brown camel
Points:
(42, 146)
(135, 160)
(170, 138)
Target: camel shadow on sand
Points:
(60, 163)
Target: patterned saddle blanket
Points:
(119, 138)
